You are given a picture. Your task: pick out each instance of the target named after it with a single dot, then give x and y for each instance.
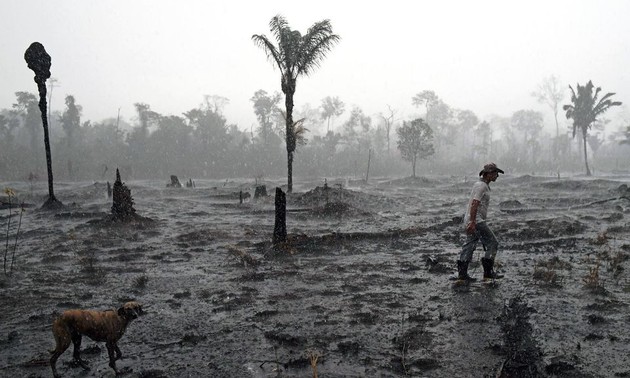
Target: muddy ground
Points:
(364, 285)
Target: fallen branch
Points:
(263, 362)
(534, 209)
(29, 363)
(598, 202)
(245, 258)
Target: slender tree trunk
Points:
(367, 175)
(41, 86)
(289, 172)
(413, 165)
(588, 171)
(555, 151)
(290, 134)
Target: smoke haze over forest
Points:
(483, 59)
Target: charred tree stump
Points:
(39, 61)
(240, 197)
(280, 227)
(261, 191)
(122, 207)
(174, 182)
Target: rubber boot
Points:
(488, 269)
(462, 271)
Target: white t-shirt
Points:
(480, 192)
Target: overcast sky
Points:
(485, 56)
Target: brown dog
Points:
(107, 326)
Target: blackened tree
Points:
(122, 206)
(39, 61)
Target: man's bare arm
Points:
(472, 223)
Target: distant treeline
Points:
(201, 143)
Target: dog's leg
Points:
(62, 341)
(118, 352)
(76, 340)
(111, 350)
(62, 345)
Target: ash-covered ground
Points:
(363, 285)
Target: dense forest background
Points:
(338, 141)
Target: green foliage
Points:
(586, 106)
(439, 115)
(265, 107)
(27, 110)
(71, 118)
(295, 55)
(356, 129)
(332, 107)
(415, 140)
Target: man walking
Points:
(477, 227)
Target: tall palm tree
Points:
(586, 107)
(295, 55)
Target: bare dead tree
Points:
(39, 61)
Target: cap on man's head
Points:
(490, 168)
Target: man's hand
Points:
(471, 227)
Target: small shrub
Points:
(591, 280)
(204, 294)
(601, 238)
(546, 272)
(140, 282)
(547, 276)
(245, 258)
(88, 261)
(313, 356)
(10, 195)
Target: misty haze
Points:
(280, 189)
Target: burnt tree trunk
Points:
(122, 206)
(260, 191)
(39, 61)
(280, 226)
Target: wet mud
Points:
(361, 289)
